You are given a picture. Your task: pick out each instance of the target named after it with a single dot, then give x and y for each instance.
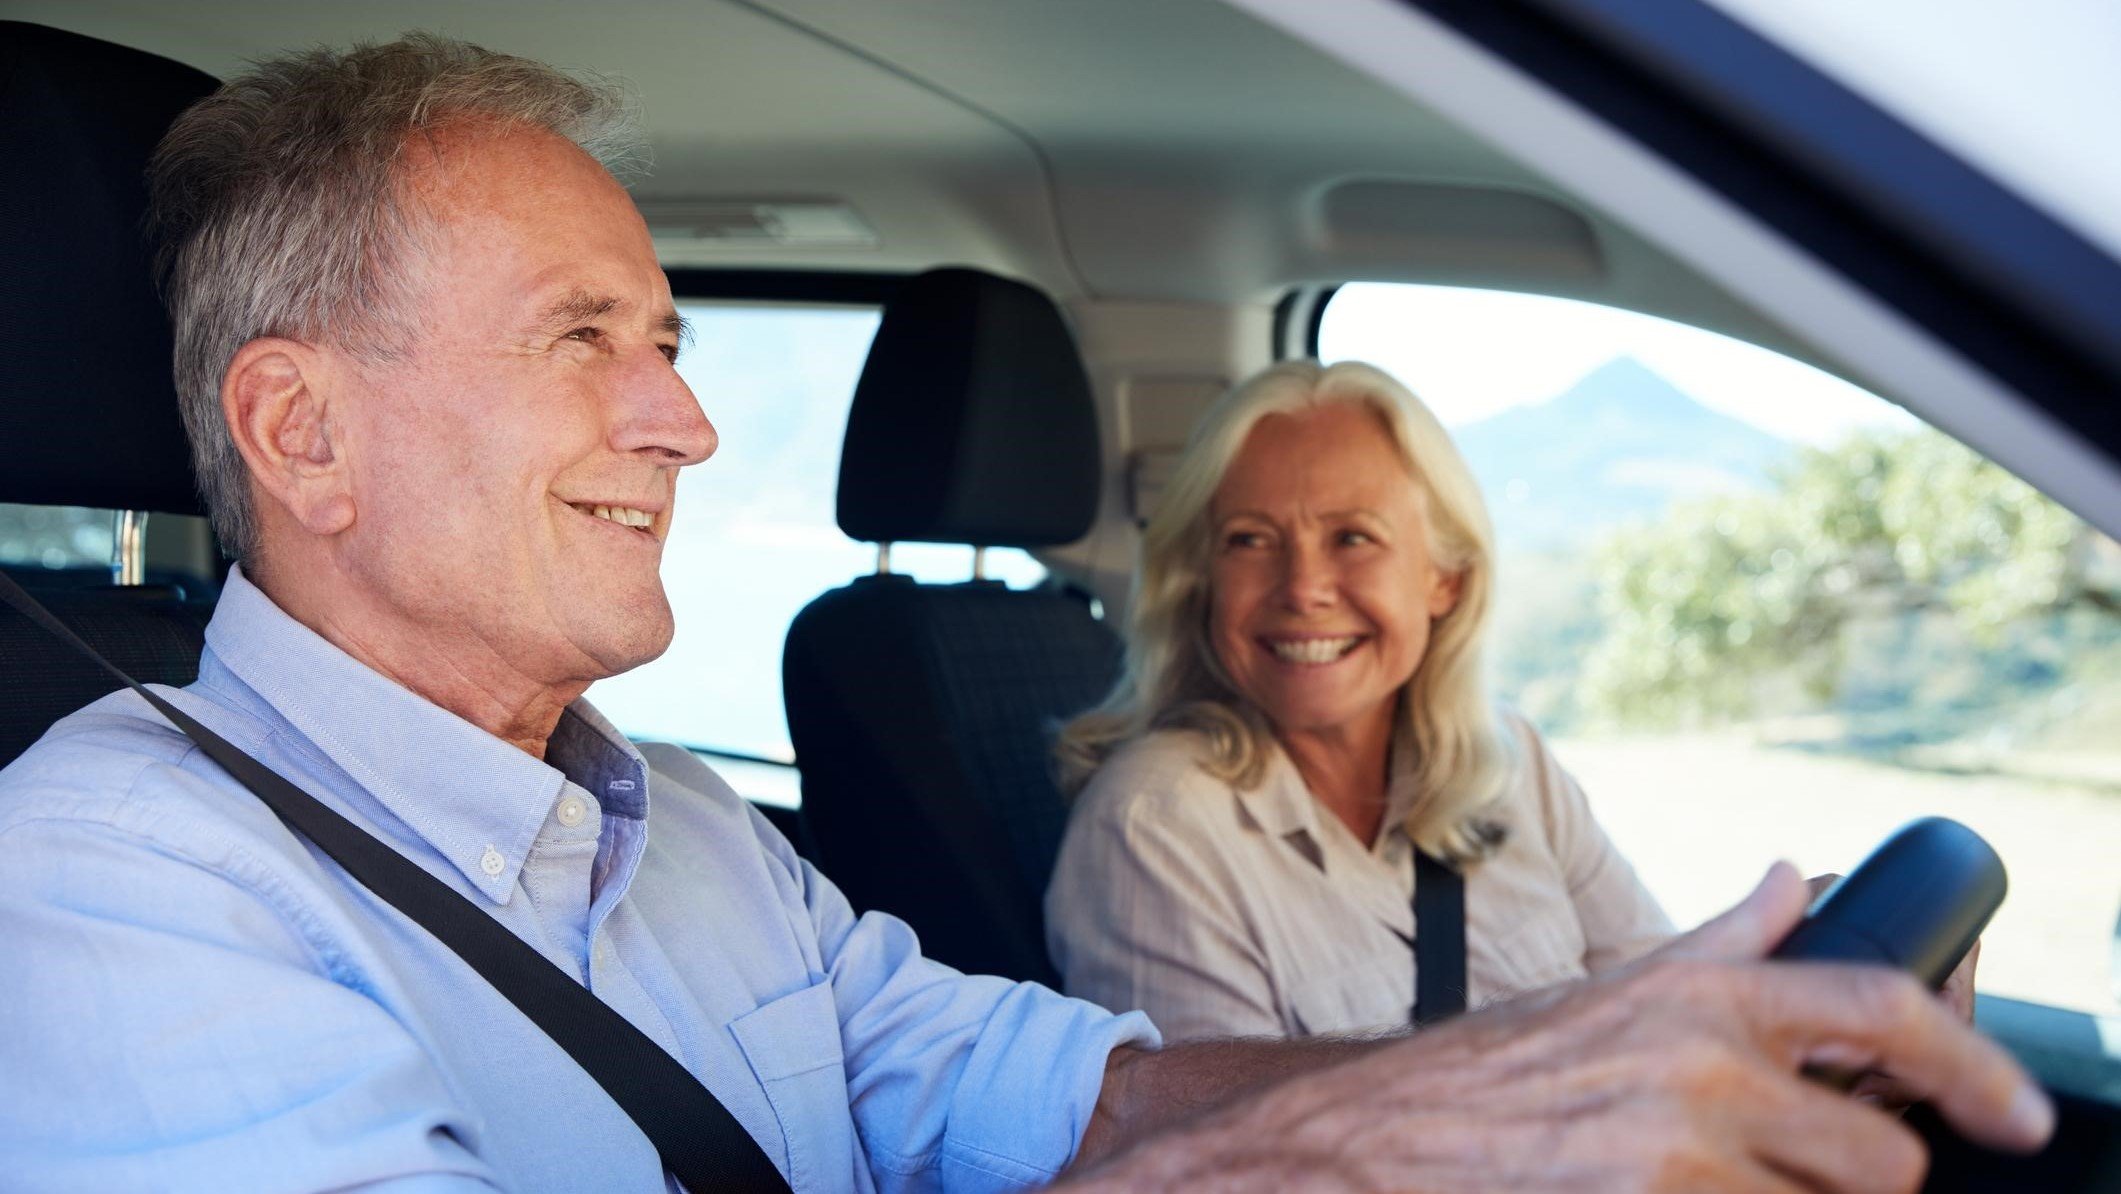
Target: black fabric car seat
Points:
(88, 408)
(922, 714)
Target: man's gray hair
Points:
(279, 209)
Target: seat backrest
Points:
(150, 631)
(88, 410)
(922, 715)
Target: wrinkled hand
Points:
(1677, 1073)
(1882, 1089)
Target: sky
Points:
(1474, 353)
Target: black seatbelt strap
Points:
(700, 1142)
(1439, 940)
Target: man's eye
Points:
(670, 352)
(587, 335)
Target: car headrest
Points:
(88, 406)
(973, 421)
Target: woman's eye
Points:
(1244, 539)
(1356, 538)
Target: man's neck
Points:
(453, 668)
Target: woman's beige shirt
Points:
(1228, 913)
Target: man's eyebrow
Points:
(577, 306)
(581, 306)
(674, 324)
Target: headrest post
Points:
(979, 563)
(128, 565)
(883, 558)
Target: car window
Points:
(1760, 612)
(754, 538)
(55, 537)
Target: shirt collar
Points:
(595, 755)
(1281, 804)
(469, 795)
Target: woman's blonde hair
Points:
(1174, 681)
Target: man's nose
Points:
(658, 415)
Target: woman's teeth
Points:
(1313, 650)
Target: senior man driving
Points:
(425, 354)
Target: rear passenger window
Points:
(1762, 613)
(754, 538)
(55, 538)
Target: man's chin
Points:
(619, 646)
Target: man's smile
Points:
(638, 519)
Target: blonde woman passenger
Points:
(1303, 709)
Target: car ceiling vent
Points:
(751, 223)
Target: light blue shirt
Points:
(191, 997)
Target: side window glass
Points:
(55, 538)
(754, 538)
(1760, 612)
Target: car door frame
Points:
(1913, 271)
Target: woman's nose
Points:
(1308, 580)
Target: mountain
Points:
(1619, 445)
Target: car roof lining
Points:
(1182, 151)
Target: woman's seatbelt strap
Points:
(1439, 940)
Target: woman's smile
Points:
(1312, 650)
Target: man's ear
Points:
(277, 398)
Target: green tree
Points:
(1749, 598)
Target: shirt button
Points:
(491, 862)
(571, 810)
